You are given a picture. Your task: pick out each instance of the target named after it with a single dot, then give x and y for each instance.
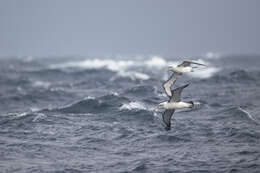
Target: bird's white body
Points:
(175, 105)
(181, 69)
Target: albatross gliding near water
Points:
(184, 67)
(173, 103)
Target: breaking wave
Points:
(134, 69)
(94, 105)
(133, 105)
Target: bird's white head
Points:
(160, 106)
(170, 68)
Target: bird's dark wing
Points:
(188, 63)
(185, 64)
(176, 93)
(191, 62)
(167, 85)
(166, 116)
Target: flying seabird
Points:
(184, 67)
(173, 103)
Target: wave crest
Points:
(134, 68)
(94, 105)
(133, 105)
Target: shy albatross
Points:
(173, 103)
(184, 67)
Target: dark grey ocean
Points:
(95, 114)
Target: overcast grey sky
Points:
(129, 27)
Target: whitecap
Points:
(89, 98)
(110, 64)
(133, 105)
(132, 68)
(156, 61)
(133, 75)
(18, 115)
(114, 64)
(35, 109)
(41, 84)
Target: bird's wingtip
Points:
(186, 85)
(167, 128)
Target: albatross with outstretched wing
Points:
(173, 103)
(184, 67)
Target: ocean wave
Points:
(113, 64)
(23, 119)
(133, 75)
(94, 105)
(242, 75)
(175, 138)
(41, 84)
(141, 90)
(238, 135)
(156, 61)
(134, 68)
(238, 114)
(110, 64)
(133, 105)
(238, 75)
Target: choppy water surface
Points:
(96, 115)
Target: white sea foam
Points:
(41, 84)
(133, 105)
(89, 98)
(155, 61)
(129, 68)
(18, 115)
(34, 109)
(134, 75)
(113, 65)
